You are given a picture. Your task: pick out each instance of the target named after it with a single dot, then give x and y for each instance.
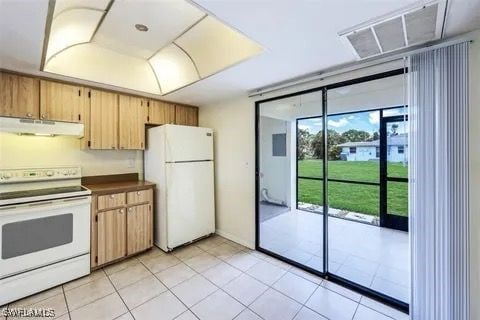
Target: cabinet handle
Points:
(29, 115)
(121, 211)
(112, 196)
(129, 209)
(44, 115)
(138, 193)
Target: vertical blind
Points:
(439, 213)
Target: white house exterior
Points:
(370, 150)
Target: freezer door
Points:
(190, 201)
(184, 143)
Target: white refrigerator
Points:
(179, 160)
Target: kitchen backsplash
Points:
(29, 151)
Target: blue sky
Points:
(367, 121)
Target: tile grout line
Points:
(168, 289)
(118, 293)
(66, 302)
(356, 309)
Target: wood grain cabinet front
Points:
(132, 117)
(111, 237)
(61, 102)
(113, 200)
(122, 225)
(19, 96)
(103, 120)
(139, 228)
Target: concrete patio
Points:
(374, 257)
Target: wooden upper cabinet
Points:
(19, 96)
(61, 102)
(185, 115)
(139, 228)
(111, 237)
(132, 115)
(160, 112)
(103, 120)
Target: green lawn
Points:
(353, 197)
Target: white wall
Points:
(30, 151)
(234, 135)
(475, 176)
(275, 171)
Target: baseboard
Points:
(236, 239)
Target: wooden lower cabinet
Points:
(139, 228)
(111, 227)
(120, 229)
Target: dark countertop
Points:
(119, 186)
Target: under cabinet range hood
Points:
(41, 127)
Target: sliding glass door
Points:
(332, 186)
(286, 136)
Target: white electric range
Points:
(44, 229)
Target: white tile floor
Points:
(375, 257)
(212, 279)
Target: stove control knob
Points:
(65, 172)
(7, 175)
(49, 173)
(72, 172)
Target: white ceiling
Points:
(299, 37)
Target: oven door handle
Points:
(50, 205)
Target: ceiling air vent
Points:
(397, 30)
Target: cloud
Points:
(374, 117)
(391, 112)
(303, 127)
(337, 124)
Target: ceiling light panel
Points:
(214, 46)
(95, 63)
(154, 46)
(165, 20)
(62, 5)
(174, 68)
(71, 27)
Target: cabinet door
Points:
(111, 235)
(187, 116)
(103, 120)
(61, 102)
(132, 113)
(139, 228)
(160, 112)
(19, 96)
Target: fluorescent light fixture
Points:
(101, 43)
(173, 68)
(71, 27)
(215, 46)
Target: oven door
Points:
(42, 233)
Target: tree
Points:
(375, 136)
(333, 139)
(353, 135)
(304, 144)
(394, 130)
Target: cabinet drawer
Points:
(111, 201)
(138, 196)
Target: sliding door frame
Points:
(400, 305)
